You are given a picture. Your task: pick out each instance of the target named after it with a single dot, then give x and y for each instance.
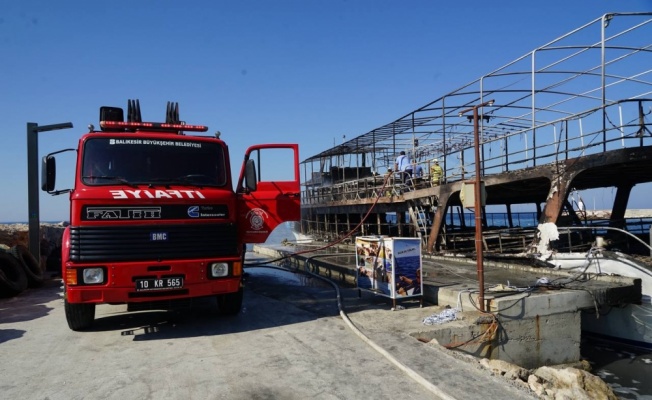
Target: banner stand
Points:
(389, 266)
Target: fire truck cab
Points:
(155, 220)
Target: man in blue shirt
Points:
(404, 165)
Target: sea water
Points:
(519, 219)
(626, 370)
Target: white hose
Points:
(407, 370)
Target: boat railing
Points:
(598, 231)
(636, 226)
(556, 142)
(502, 240)
(572, 238)
(363, 188)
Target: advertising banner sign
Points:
(389, 266)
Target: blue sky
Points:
(304, 72)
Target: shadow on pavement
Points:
(30, 304)
(10, 334)
(272, 298)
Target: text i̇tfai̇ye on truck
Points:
(154, 218)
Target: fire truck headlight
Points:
(93, 275)
(219, 269)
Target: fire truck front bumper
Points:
(145, 282)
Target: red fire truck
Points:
(154, 218)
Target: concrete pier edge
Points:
(529, 329)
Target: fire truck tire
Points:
(29, 264)
(230, 303)
(79, 316)
(12, 276)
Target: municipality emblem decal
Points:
(256, 218)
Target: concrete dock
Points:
(526, 323)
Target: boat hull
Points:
(630, 324)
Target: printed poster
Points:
(407, 267)
(389, 266)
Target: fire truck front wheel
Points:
(79, 316)
(230, 303)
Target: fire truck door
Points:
(276, 196)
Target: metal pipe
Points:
(478, 201)
(34, 223)
(477, 210)
(34, 239)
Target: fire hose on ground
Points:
(405, 369)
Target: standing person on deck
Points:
(404, 165)
(436, 173)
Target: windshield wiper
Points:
(112, 178)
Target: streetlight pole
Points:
(477, 200)
(32, 184)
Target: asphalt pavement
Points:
(289, 342)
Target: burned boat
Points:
(572, 115)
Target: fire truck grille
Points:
(152, 242)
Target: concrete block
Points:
(517, 305)
(528, 342)
(542, 340)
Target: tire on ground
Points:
(29, 264)
(12, 275)
(230, 303)
(53, 262)
(79, 316)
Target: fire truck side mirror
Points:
(250, 176)
(48, 173)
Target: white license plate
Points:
(159, 284)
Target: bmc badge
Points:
(158, 236)
(257, 218)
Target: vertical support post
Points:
(605, 22)
(510, 222)
(566, 139)
(438, 219)
(348, 223)
(379, 227)
(478, 210)
(478, 200)
(506, 155)
(32, 192)
(556, 198)
(534, 108)
(33, 130)
(443, 137)
(462, 163)
(617, 218)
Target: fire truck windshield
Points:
(140, 161)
